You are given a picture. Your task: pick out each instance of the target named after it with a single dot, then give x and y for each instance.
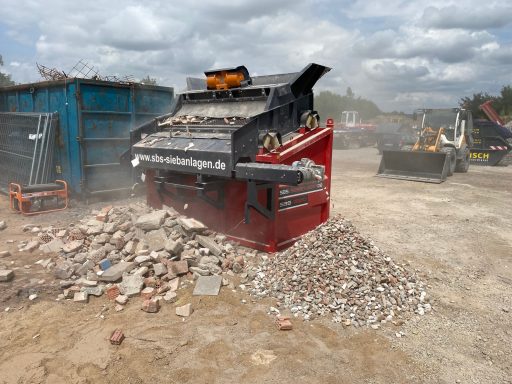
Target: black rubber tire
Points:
(452, 155)
(463, 164)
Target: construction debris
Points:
(117, 337)
(207, 286)
(6, 275)
(335, 270)
(283, 323)
(151, 305)
(82, 70)
(134, 251)
(185, 310)
(332, 270)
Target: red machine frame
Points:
(295, 209)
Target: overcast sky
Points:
(400, 54)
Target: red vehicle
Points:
(492, 140)
(350, 131)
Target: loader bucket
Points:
(428, 167)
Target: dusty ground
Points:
(457, 233)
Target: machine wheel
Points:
(453, 159)
(463, 164)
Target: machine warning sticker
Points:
(184, 161)
(293, 202)
(297, 196)
(287, 190)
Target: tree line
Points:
(5, 79)
(330, 104)
(501, 103)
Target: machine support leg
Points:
(267, 210)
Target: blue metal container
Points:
(95, 121)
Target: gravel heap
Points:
(335, 270)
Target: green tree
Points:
(330, 104)
(148, 80)
(473, 103)
(5, 80)
(506, 100)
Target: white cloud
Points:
(478, 17)
(418, 55)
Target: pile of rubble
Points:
(134, 251)
(335, 270)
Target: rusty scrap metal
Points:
(51, 73)
(83, 70)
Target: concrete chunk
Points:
(73, 246)
(174, 284)
(151, 220)
(32, 245)
(142, 259)
(174, 247)
(63, 271)
(185, 310)
(81, 297)
(200, 271)
(209, 243)
(178, 267)
(6, 275)
(116, 271)
(170, 297)
(207, 286)
(151, 306)
(160, 269)
(156, 239)
(121, 299)
(191, 225)
(95, 291)
(95, 229)
(53, 246)
(131, 285)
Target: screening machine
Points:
(244, 155)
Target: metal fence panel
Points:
(27, 148)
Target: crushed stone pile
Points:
(334, 270)
(134, 251)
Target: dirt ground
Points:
(457, 234)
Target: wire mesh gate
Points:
(27, 148)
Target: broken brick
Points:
(283, 323)
(117, 337)
(113, 292)
(147, 293)
(151, 305)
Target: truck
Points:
(352, 131)
(492, 139)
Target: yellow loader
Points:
(442, 148)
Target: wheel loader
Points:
(442, 148)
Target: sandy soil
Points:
(458, 234)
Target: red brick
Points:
(117, 337)
(283, 323)
(113, 292)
